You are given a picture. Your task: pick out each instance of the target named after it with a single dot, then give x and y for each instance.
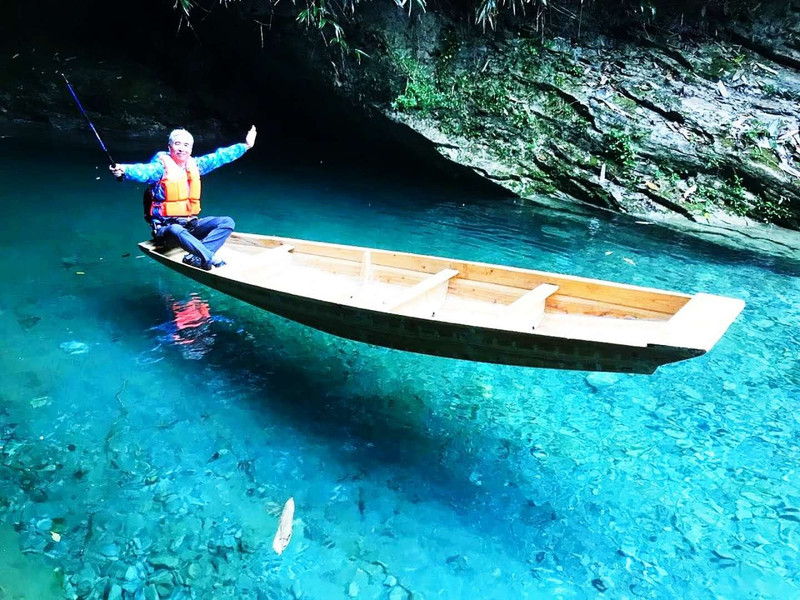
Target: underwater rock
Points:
(84, 580)
(163, 562)
(40, 401)
(193, 571)
(115, 593)
(390, 581)
(163, 582)
(73, 347)
(599, 381)
(398, 593)
(458, 563)
(176, 543)
(28, 322)
(110, 551)
(150, 593)
(68, 262)
(38, 495)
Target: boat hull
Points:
(440, 338)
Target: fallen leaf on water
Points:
(16, 55)
(651, 185)
(79, 273)
(609, 252)
(629, 261)
(284, 533)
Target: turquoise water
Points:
(142, 459)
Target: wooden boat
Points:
(462, 309)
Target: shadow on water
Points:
(426, 457)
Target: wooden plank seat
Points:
(527, 311)
(424, 297)
(701, 322)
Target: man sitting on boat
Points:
(172, 199)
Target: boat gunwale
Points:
(590, 285)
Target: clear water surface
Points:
(152, 429)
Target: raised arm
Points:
(223, 156)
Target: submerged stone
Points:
(194, 571)
(110, 551)
(73, 347)
(599, 381)
(150, 593)
(398, 593)
(29, 322)
(115, 593)
(164, 561)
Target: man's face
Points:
(181, 148)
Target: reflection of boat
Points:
(466, 310)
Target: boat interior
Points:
(462, 292)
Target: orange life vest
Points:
(181, 189)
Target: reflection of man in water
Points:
(191, 327)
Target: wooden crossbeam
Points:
(432, 289)
(366, 266)
(527, 311)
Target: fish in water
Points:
(284, 533)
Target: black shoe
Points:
(196, 261)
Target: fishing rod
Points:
(97, 135)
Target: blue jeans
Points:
(201, 237)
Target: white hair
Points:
(180, 132)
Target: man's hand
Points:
(117, 170)
(250, 140)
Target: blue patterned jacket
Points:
(153, 171)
